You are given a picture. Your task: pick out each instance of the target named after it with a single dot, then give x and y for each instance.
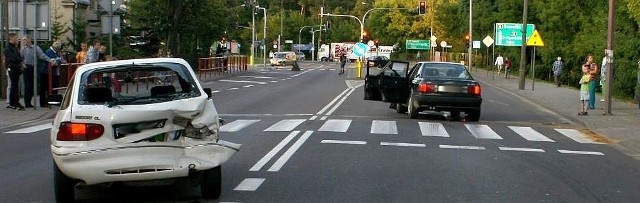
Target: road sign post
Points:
(535, 41)
(418, 44)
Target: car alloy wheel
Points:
(411, 109)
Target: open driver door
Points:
(388, 84)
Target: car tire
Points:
(401, 108)
(455, 115)
(211, 186)
(63, 186)
(474, 115)
(411, 109)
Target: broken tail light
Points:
(69, 131)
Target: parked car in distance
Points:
(137, 121)
(283, 58)
(427, 86)
(300, 56)
(379, 61)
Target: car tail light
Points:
(474, 89)
(426, 88)
(79, 131)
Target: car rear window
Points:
(137, 84)
(445, 71)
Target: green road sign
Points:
(418, 44)
(510, 34)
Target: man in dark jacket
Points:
(13, 61)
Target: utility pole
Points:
(470, 34)
(610, 65)
(281, 17)
(523, 48)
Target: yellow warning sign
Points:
(535, 40)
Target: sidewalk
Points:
(622, 128)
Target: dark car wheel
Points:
(401, 108)
(455, 115)
(411, 109)
(211, 185)
(63, 186)
(474, 115)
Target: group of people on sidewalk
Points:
(503, 63)
(592, 76)
(26, 59)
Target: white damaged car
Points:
(137, 121)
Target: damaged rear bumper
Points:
(141, 162)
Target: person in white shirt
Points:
(499, 62)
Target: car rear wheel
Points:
(211, 185)
(474, 115)
(63, 186)
(455, 115)
(411, 109)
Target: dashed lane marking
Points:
(343, 142)
(249, 184)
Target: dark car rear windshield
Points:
(445, 71)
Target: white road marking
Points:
(274, 81)
(243, 81)
(433, 129)
(530, 134)
(343, 142)
(287, 154)
(334, 125)
(256, 77)
(249, 184)
(576, 135)
(31, 129)
(333, 101)
(324, 118)
(520, 149)
(580, 152)
(274, 151)
(313, 118)
(461, 147)
(236, 125)
(217, 91)
(248, 86)
(340, 102)
(482, 132)
(402, 144)
(286, 125)
(234, 88)
(384, 127)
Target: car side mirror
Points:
(55, 99)
(208, 92)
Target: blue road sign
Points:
(359, 49)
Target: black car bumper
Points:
(446, 103)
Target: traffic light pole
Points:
(470, 34)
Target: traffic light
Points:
(365, 37)
(422, 8)
(467, 40)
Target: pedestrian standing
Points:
(14, 64)
(593, 70)
(82, 54)
(343, 62)
(418, 56)
(584, 90)
(93, 53)
(557, 70)
(499, 62)
(54, 52)
(29, 51)
(507, 67)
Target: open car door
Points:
(371, 83)
(388, 84)
(394, 85)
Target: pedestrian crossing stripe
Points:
(431, 129)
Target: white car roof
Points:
(97, 65)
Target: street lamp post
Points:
(300, 34)
(264, 38)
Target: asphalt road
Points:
(308, 136)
